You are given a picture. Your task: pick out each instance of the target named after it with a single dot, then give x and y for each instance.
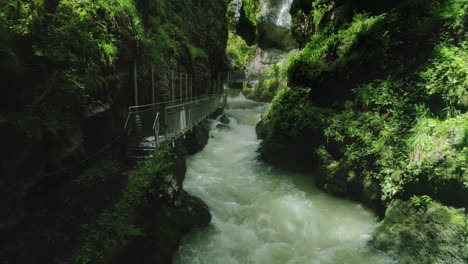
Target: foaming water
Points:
(265, 215)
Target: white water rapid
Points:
(265, 215)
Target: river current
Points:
(265, 215)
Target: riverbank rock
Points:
(164, 227)
(197, 138)
(420, 235)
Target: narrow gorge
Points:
(262, 214)
(234, 131)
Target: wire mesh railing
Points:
(183, 117)
(241, 76)
(166, 121)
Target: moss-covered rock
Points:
(384, 117)
(149, 219)
(436, 234)
(239, 53)
(291, 129)
(164, 227)
(364, 151)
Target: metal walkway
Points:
(152, 126)
(241, 76)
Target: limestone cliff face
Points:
(266, 28)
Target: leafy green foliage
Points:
(239, 51)
(369, 144)
(455, 14)
(446, 76)
(439, 151)
(398, 87)
(291, 112)
(421, 202)
(251, 9)
(329, 50)
(373, 140)
(116, 225)
(319, 9)
(267, 89)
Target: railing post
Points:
(186, 86)
(191, 87)
(152, 85)
(219, 80)
(156, 132)
(214, 87)
(180, 82)
(135, 82)
(229, 77)
(172, 85)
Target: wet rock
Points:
(273, 36)
(197, 139)
(274, 24)
(223, 127)
(234, 12)
(224, 119)
(164, 228)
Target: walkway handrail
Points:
(170, 119)
(156, 129)
(162, 104)
(241, 76)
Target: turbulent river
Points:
(265, 215)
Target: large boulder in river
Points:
(196, 139)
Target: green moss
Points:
(115, 226)
(267, 89)
(329, 50)
(239, 51)
(290, 113)
(197, 53)
(251, 9)
(435, 235)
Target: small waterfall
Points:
(284, 17)
(277, 13)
